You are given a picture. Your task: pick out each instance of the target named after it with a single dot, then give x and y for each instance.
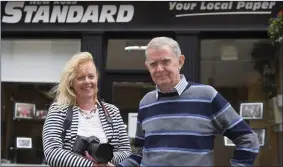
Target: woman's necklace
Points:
(89, 114)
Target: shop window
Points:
(129, 103)
(29, 69)
(19, 120)
(35, 60)
(238, 70)
(126, 54)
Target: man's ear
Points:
(181, 61)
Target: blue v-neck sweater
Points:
(180, 130)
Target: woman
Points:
(77, 90)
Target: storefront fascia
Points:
(92, 20)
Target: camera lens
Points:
(103, 153)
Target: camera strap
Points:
(69, 116)
(108, 118)
(67, 122)
(107, 115)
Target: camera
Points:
(101, 152)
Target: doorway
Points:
(126, 90)
(125, 78)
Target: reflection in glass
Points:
(126, 54)
(127, 95)
(239, 69)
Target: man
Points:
(178, 121)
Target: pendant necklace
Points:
(88, 115)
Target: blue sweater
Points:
(180, 130)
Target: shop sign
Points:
(65, 12)
(98, 16)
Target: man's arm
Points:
(135, 158)
(231, 125)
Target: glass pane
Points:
(221, 59)
(126, 54)
(235, 69)
(126, 96)
(32, 93)
(20, 58)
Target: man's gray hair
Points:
(159, 42)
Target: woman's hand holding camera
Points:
(87, 156)
(95, 164)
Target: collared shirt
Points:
(179, 88)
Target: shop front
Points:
(220, 41)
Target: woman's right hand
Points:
(87, 156)
(95, 164)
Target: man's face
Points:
(164, 67)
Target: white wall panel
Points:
(36, 60)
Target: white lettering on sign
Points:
(66, 12)
(255, 5)
(221, 8)
(39, 2)
(216, 6)
(182, 6)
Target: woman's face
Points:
(85, 82)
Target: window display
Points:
(24, 110)
(25, 106)
(238, 68)
(251, 110)
(24, 142)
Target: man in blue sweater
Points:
(178, 121)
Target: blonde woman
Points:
(91, 119)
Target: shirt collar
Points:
(179, 88)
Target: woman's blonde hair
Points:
(64, 93)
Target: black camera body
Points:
(101, 152)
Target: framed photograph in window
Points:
(23, 142)
(40, 114)
(261, 135)
(132, 124)
(228, 142)
(24, 110)
(251, 110)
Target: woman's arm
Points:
(124, 148)
(52, 142)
